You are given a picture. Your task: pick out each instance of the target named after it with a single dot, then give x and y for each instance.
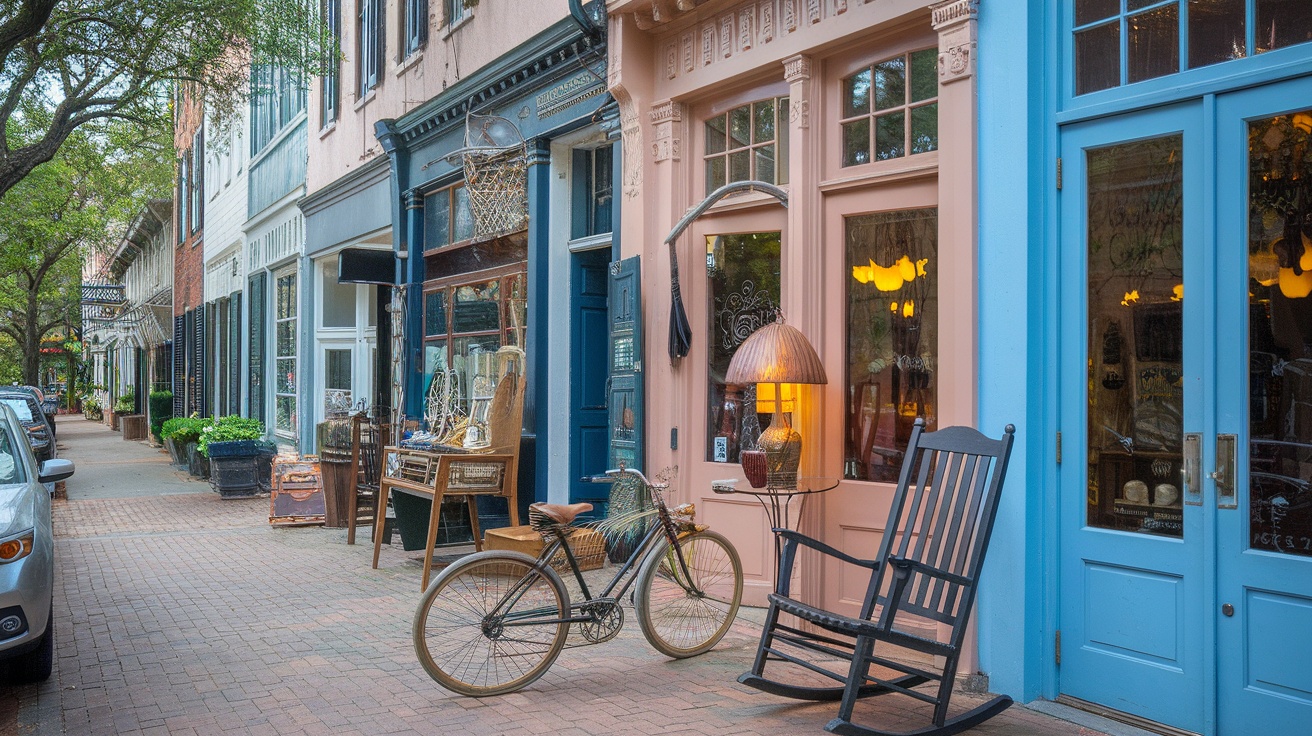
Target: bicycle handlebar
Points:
(611, 476)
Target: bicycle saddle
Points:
(561, 513)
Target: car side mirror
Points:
(53, 471)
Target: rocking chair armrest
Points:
(903, 567)
(791, 537)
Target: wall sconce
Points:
(777, 354)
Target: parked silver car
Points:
(27, 555)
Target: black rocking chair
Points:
(927, 567)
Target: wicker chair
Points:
(367, 440)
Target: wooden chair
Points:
(926, 567)
(490, 470)
(367, 441)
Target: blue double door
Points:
(1185, 410)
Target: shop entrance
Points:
(1186, 412)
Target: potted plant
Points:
(185, 433)
(174, 434)
(233, 444)
(91, 408)
(126, 404)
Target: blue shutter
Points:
(625, 398)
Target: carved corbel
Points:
(956, 22)
(665, 118)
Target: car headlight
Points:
(16, 548)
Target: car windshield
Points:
(20, 407)
(11, 466)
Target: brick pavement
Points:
(187, 614)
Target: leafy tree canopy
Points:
(70, 63)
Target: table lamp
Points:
(773, 355)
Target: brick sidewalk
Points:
(188, 614)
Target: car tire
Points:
(36, 665)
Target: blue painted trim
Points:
(539, 252)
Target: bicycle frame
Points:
(665, 526)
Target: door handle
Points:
(1191, 470)
(1224, 475)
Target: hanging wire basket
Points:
(495, 161)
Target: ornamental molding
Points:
(956, 22)
(953, 12)
(797, 68)
(666, 111)
(665, 117)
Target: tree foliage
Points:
(71, 63)
(79, 203)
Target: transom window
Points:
(890, 109)
(465, 324)
(1125, 41)
(748, 142)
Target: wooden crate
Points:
(588, 545)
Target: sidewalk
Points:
(181, 613)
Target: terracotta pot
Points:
(754, 467)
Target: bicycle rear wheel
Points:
(682, 616)
(472, 644)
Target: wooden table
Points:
(435, 475)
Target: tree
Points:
(80, 201)
(78, 62)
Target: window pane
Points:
(740, 126)
(338, 299)
(1135, 265)
(437, 219)
(715, 173)
(856, 94)
(477, 307)
(763, 123)
(286, 414)
(435, 313)
(286, 341)
(740, 165)
(1088, 11)
(924, 74)
(473, 361)
(1216, 31)
(1098, 58)
(924, 128)
(602, 192)
(337, 372)
(1283, 23)
(1133, 5)
(286, 296)
(765, 163)
(285, 380)
(464, 229)
(892, 337)
(743, 295)
(890, 136)
(856, 142)
(1154, 43)
(1280, 331)
(715, 134)
(891, 83)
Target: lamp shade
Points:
(776, 353)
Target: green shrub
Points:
(161, 406)
(184, 429)
(126, 403)
(229, 428)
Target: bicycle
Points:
(495, 621)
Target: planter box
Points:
(134, 426)
(177, 453)
(114, 419)
(234, 477)
(197, 464)
(238, 448)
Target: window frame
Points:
(454, 12)
(871, 115)
(781, 124)
(586, 196)
(414, 27)
(197, 209)
(371, 45)
(330, 84)
(294, 357)
(449, 240)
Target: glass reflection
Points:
(1135, 336)
(1280, 333)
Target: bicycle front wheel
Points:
(490, 623)
(683, 615)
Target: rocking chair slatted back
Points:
(946, 501)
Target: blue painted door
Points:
(1185, 332)
(1263, 600)
(1134, 544)
(589, 340)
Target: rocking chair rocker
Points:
(927, 567)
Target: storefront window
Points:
(441, 228)
(1146, 35)
(892, 337)
(337, 381)
(748, 142)
(742, 273)
(284, 384)
(338, 298)
(464, 325)
(890, 109)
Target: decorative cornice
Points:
(347, 186)
(666, 111)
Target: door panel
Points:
(1132, 553)
(1264, 543)
(589, 341)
